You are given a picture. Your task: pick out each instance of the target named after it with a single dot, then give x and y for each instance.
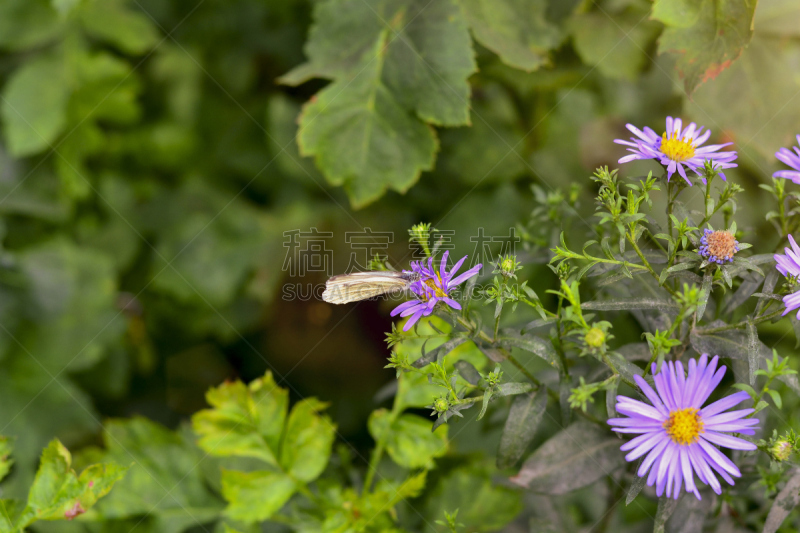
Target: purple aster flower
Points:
(789, 266)
(718, 246)
(793, 160)
(432, 287)
(677, 148)
(677, 434)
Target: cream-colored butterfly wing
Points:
(357, 286)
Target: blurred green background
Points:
(149, 174)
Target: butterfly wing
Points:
(357, 286)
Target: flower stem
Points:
(762, 318)
(380, 446)
(645, 262)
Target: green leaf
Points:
(411, 488)
(10, 511)
(786, 500)
(488, 151)
(60, 408)
(467, 371)
(635, 488)
(573, 458)
(438, 353)
(131, 31)
(722, 30)
(615, 43)
(58, 493)
(245, 420)
(533, 344)
(206, 264)
(633, 303)
(482, 505)
(516, 30)
(677, 13)
(413, 388)
(733, 344)
(393, 71)
(307, 440)
(705, 292)
(6, 448)
(409, 439)
(34, 107)
(164, 483)
(27, 23)
(255, 496)
(753, 349)
(520, 427)
(74, 292)
(364, 140)
(776, 397)
(764, 75)
(512, 388)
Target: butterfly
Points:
(346, 288)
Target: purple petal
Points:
(643, 444)
(403, 306)
(729, 417)
(728, 441)
(724, 404)
(629, 406)
(465, 276)
(651, 458)
(651, 395)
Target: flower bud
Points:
(595, 337)
(440, 405)
(781, 450)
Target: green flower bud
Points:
(440, 405)
(781, 450)
(595, 338)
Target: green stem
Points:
(670, 202)
(380, 446)
(762, 318)
(566, 254)
(655, 241)
(645, 262)
(761, 394)
(559, 345)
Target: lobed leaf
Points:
(409, 439)
(516, 30)
(307, 440)
(255, 496)
(58, 493)
(394, 72)
(721, 31)
(245, 420)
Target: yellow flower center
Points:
(684, 426)
(677, 149)
(439, 292)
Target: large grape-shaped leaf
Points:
(516, 30)
(706, 39)
(397, 66)
(764, 77)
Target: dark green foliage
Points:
(154, 156)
